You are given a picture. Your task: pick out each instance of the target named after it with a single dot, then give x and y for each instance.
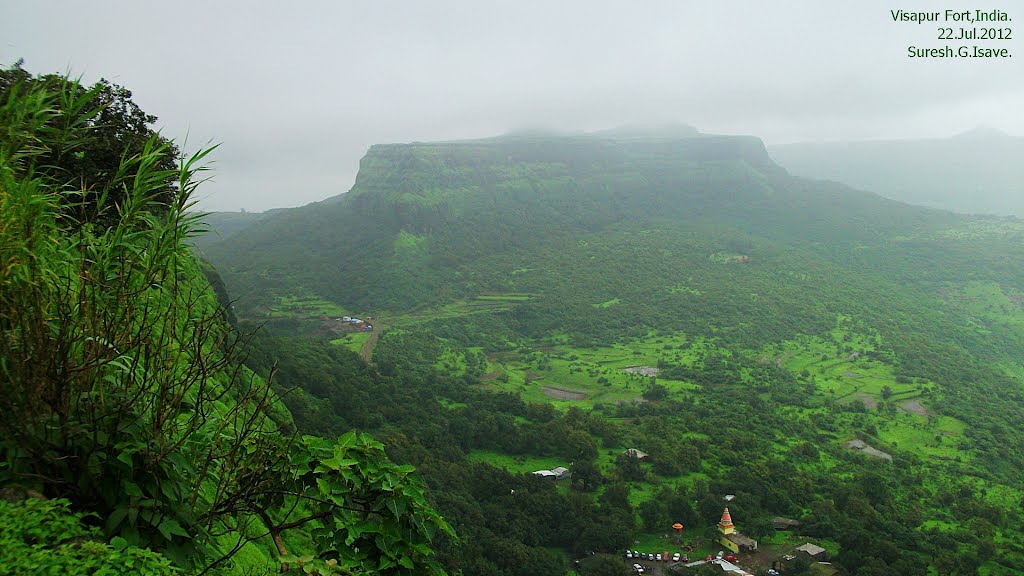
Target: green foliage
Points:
(89, 132)
(46, 537)
(112, 361)
(121, 381)
(370, 505)
(604, 565)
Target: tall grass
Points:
(119, 381)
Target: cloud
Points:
(297, 93)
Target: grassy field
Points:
(849, 366)
(354, 341)
(566, 376)
(305, 307)
(484, 303)
(519, 464)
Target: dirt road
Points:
(367, 350)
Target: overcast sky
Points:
(296, 92)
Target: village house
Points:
(812, 550)
(559, 473)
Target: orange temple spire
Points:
(725, 525)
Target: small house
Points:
(559, 473)
(812, 550)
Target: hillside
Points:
(780, 316)
(222, 225)
(977, 172)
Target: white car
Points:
(658, 556)
(675, 557)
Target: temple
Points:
(733, 539)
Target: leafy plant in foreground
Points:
(45, 537)
(121, 383)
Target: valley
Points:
(817, 352)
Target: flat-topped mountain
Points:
(420, 213)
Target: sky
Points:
(296, 92)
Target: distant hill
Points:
(222, 225)
(977, 172)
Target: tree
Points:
(655, 391)
(629, 467)
(121, 382)
(604, 565)
(93, 130)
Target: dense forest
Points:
(521, 282)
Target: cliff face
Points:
(396, 171)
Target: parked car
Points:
(675, 557)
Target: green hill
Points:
(434, 210)
(222, 225)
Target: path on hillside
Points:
(367, 350)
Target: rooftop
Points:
(812, 549)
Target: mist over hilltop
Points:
(978, 171)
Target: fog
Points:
(297, 94)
